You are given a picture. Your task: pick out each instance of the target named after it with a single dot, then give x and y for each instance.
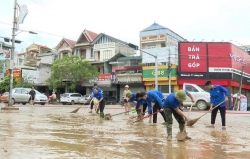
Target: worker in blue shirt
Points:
(99, 96)
(218, 94)
(141, 104)
(154, 96)
(171, 106)
(92, 95)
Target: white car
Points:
(21, 95)
(85, 99)
(71, 98)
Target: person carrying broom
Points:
(218, 94)
(92, 101)
(171, 106)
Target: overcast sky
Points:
(124, 19)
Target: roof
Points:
(89, 35)
(116, 56)
(70, 42)
(130, 58)
(154, 26)
(112, 38)
(42, 46)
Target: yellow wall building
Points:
(149, 78)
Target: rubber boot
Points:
(97, 111)
(101, 114)
(169, 132)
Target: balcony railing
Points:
(128, 78)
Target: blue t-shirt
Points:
(98, 95)
(154, 96)
(217, 95)
(171, 101)
(133, 98)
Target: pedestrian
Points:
(156, 97)
(92, 95)
(99, 96)
(218, 94)
(171, 106)
(141, 104)
(52, 97)
(32, 96)
(127, 105)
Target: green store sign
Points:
(161, 73)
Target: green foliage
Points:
(25, 82)
(1, 67)
(5, 84)
(72, 69)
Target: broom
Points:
(76, 110)
(146, 116)
(108, 116)
(193, 121)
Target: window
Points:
(165, 88)
(151, 46)
(191, 89)
(91, 53)
(19, 91)
(24, 91)
(107, 54)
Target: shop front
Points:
(222, 63)
(163, 81)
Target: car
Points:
(4, 97)
(71, 98)
(85, 99)
(21, 95)
(110, 100)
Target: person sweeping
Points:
(98, 95)
(218, 94)
(92, 101)
(171, 106)
(141, 104)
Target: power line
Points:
(38, 3)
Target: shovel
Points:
(193, 121)
(182, 135)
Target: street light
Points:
(14, 29)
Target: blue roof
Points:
(154, 26)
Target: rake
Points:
(193, 121)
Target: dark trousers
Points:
(222, 114)
(145, 105)
(102, 105)
(92, 105)
(157, 107)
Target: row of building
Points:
(187, 62)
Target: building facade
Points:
(219, 62)
(4, 55)
(65, 47)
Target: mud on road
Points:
(39, 132)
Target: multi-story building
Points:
(65, 47)
(163, 42)
(32, 52)
(44, 63)
(126, 70)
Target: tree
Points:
(25, 82)
(1, 67)
(72, 69)
(5, 84)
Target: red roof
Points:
(91, 34)
(70, 42)
(45, 47)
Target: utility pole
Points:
(169, 73)
(239, 94)
(10, 104)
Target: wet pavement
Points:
(52, 132)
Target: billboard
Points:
(16, 74)
(216, 61)
(193, 57)
(104, 79)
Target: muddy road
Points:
(52, 132)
